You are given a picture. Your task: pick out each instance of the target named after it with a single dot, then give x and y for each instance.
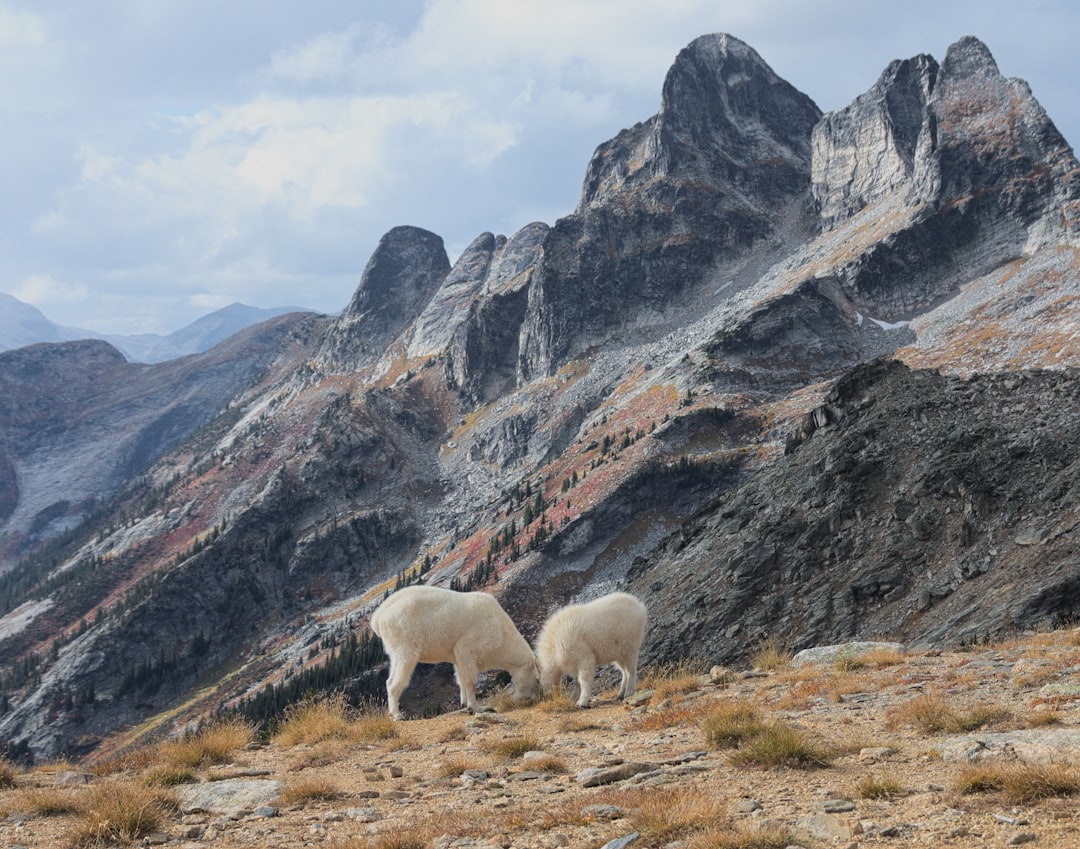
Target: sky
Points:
(163, 159)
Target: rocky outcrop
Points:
(404, 272)
(484, 355)
(475, 318)
(928, 508)
(870, 149)
(983, 174)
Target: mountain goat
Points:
(580, 637)
(423, 624)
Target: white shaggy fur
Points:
(470, 630)
(580, 637)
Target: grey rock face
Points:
(908, 481)
(964, 161)
(475, 317)
(667, 202)
(451, 303)
(403, 274)
(869, 149)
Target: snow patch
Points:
(889, 325)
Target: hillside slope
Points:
(615, 400)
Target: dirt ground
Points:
(879, 771)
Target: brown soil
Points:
(412, 787)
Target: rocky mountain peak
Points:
(969, 57)
(448, 307)
(722, 109)
(867, 150)
(721, 97)
(404, 272)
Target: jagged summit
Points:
(969, 57)
(723, 111)
(405, 270)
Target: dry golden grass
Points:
(731, 722)
(684, 713)
(310, 788)
(1020, 784)
(580, 721)
(119, 812)
(878, 786)
(166, 775)
(548, 763)
(738, 836)
(131, 760)
(558, 702)
(877, 658)
(770, 655)
(314, 720)
(420, 834)
(374, 725)
(800, 695)
(455, 765)
(933, 714)
(662, 815)
(672, 679)
(8, 775)
(504, 701)
(46, 801)
(781, 745)
(513, 747)
(1045, 717)
(210, 745)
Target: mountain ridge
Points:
(564, 410)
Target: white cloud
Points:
(41, 289)
(198, 152)
(19, 28)
(326, 58)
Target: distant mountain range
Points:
(22, 324)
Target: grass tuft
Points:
(672, 679)
(514, 747)
(729, 723)
(8, 775)
(315, 720)
(663, 816)
(779, 745)
(167, 775)
(738, 836)
(932, 714)
(299, 791)
(119, 812)
(878, 787)
(676, 714)
(770, 655)
(374, 725)
(1020, 784)
(46, 801)
(212, 744)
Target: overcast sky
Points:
(164, 158)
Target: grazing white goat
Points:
(423, 624)
(580, 637)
